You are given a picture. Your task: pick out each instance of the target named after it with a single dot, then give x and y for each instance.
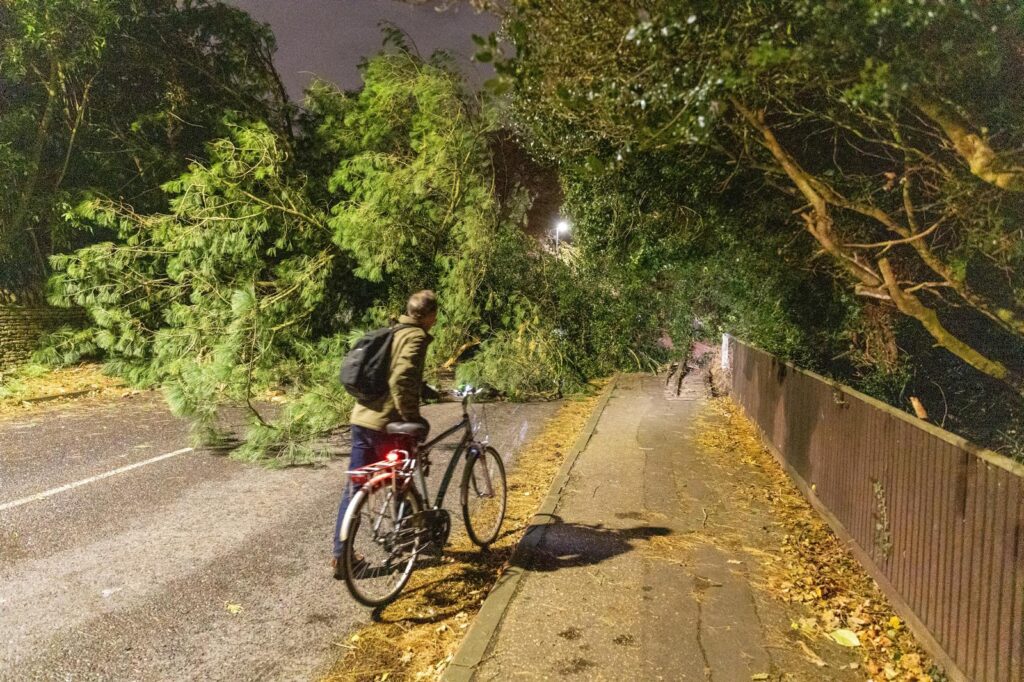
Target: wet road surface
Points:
(126, 555)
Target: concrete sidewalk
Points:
(646, 564)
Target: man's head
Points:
(422, 307)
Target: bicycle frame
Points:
(391, 473)
(460, 449)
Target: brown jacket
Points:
(402, 402)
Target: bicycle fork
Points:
(488, 491)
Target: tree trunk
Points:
(19, 226)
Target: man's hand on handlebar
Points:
(430, 394)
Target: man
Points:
(400, 404)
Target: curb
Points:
(478, 639)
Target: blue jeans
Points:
(365, 445)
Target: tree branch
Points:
(910, 305)
(999, 169)
(818, 222)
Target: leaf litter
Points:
(32, 388)
(813, 568)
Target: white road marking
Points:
(92, 479)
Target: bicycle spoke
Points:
(482, 473)
(381, 547)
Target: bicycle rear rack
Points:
(371, 470)
(393, 461)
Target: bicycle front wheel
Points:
(382, 543)
(484, 495)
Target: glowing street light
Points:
(562, 227)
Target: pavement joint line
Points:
(478, 639)
(92, 479)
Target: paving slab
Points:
(646, 566)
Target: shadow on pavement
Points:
(562, 545)
(577, 544)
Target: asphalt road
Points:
(125, 555)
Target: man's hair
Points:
(421, 305)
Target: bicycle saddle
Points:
(412, 429)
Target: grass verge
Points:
(24, 389)
(415, 637)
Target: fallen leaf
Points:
(845, 637)
(895, 623)
(911, 663)
(232, 608)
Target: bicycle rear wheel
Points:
(484, 495)
(382, 544)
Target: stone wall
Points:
(21, 327)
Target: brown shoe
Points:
(360, 563)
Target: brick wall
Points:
(21, 327)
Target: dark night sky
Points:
(328, 38)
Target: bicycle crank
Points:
(439, 523)
(430, 528)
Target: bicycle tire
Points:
(483, 511)
(359, 572)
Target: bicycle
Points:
(387, 527)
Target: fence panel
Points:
(938, 521)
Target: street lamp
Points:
(562, 227)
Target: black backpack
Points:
(365, 369)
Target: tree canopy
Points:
(114, 97)
(272, 256)
(839, 183)
(883, 138)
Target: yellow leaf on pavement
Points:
(845, 637)
(232, 608)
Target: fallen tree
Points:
(273, 256)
